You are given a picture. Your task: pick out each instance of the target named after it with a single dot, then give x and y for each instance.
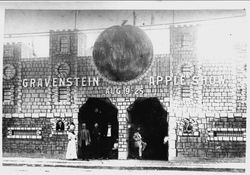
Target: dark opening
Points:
(103, 112)
(59, 125)
(151, 117)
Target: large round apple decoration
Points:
(122, 53)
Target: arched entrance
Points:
(151, 117)
(104, 113)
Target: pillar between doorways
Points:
(123, 132)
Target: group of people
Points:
(85, 139)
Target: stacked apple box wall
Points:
(42, 106)
(30, 129)
(217, 112)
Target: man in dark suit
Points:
(84, 142)
(96, 141)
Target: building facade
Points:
(205, 119)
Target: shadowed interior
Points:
(103, 112)
(151, 117)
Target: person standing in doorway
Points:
(71, 149)
(138, 142)
(84, 142)
(96, 141)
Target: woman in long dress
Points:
(71, 149)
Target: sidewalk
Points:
(217, 165)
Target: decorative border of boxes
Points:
(66, 119)
(62, 73)
(54, 132)
(56, 96)
(40, 115)
(213, 137)
(38, 131)
(226, 138)
(184, 130)
(53, 128)
(12, 96)
(187, 65)
(9, 71)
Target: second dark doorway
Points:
(149, 115)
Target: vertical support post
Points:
(123, 131)
(134, 18)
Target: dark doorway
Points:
(151, 117)
(104, 113)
